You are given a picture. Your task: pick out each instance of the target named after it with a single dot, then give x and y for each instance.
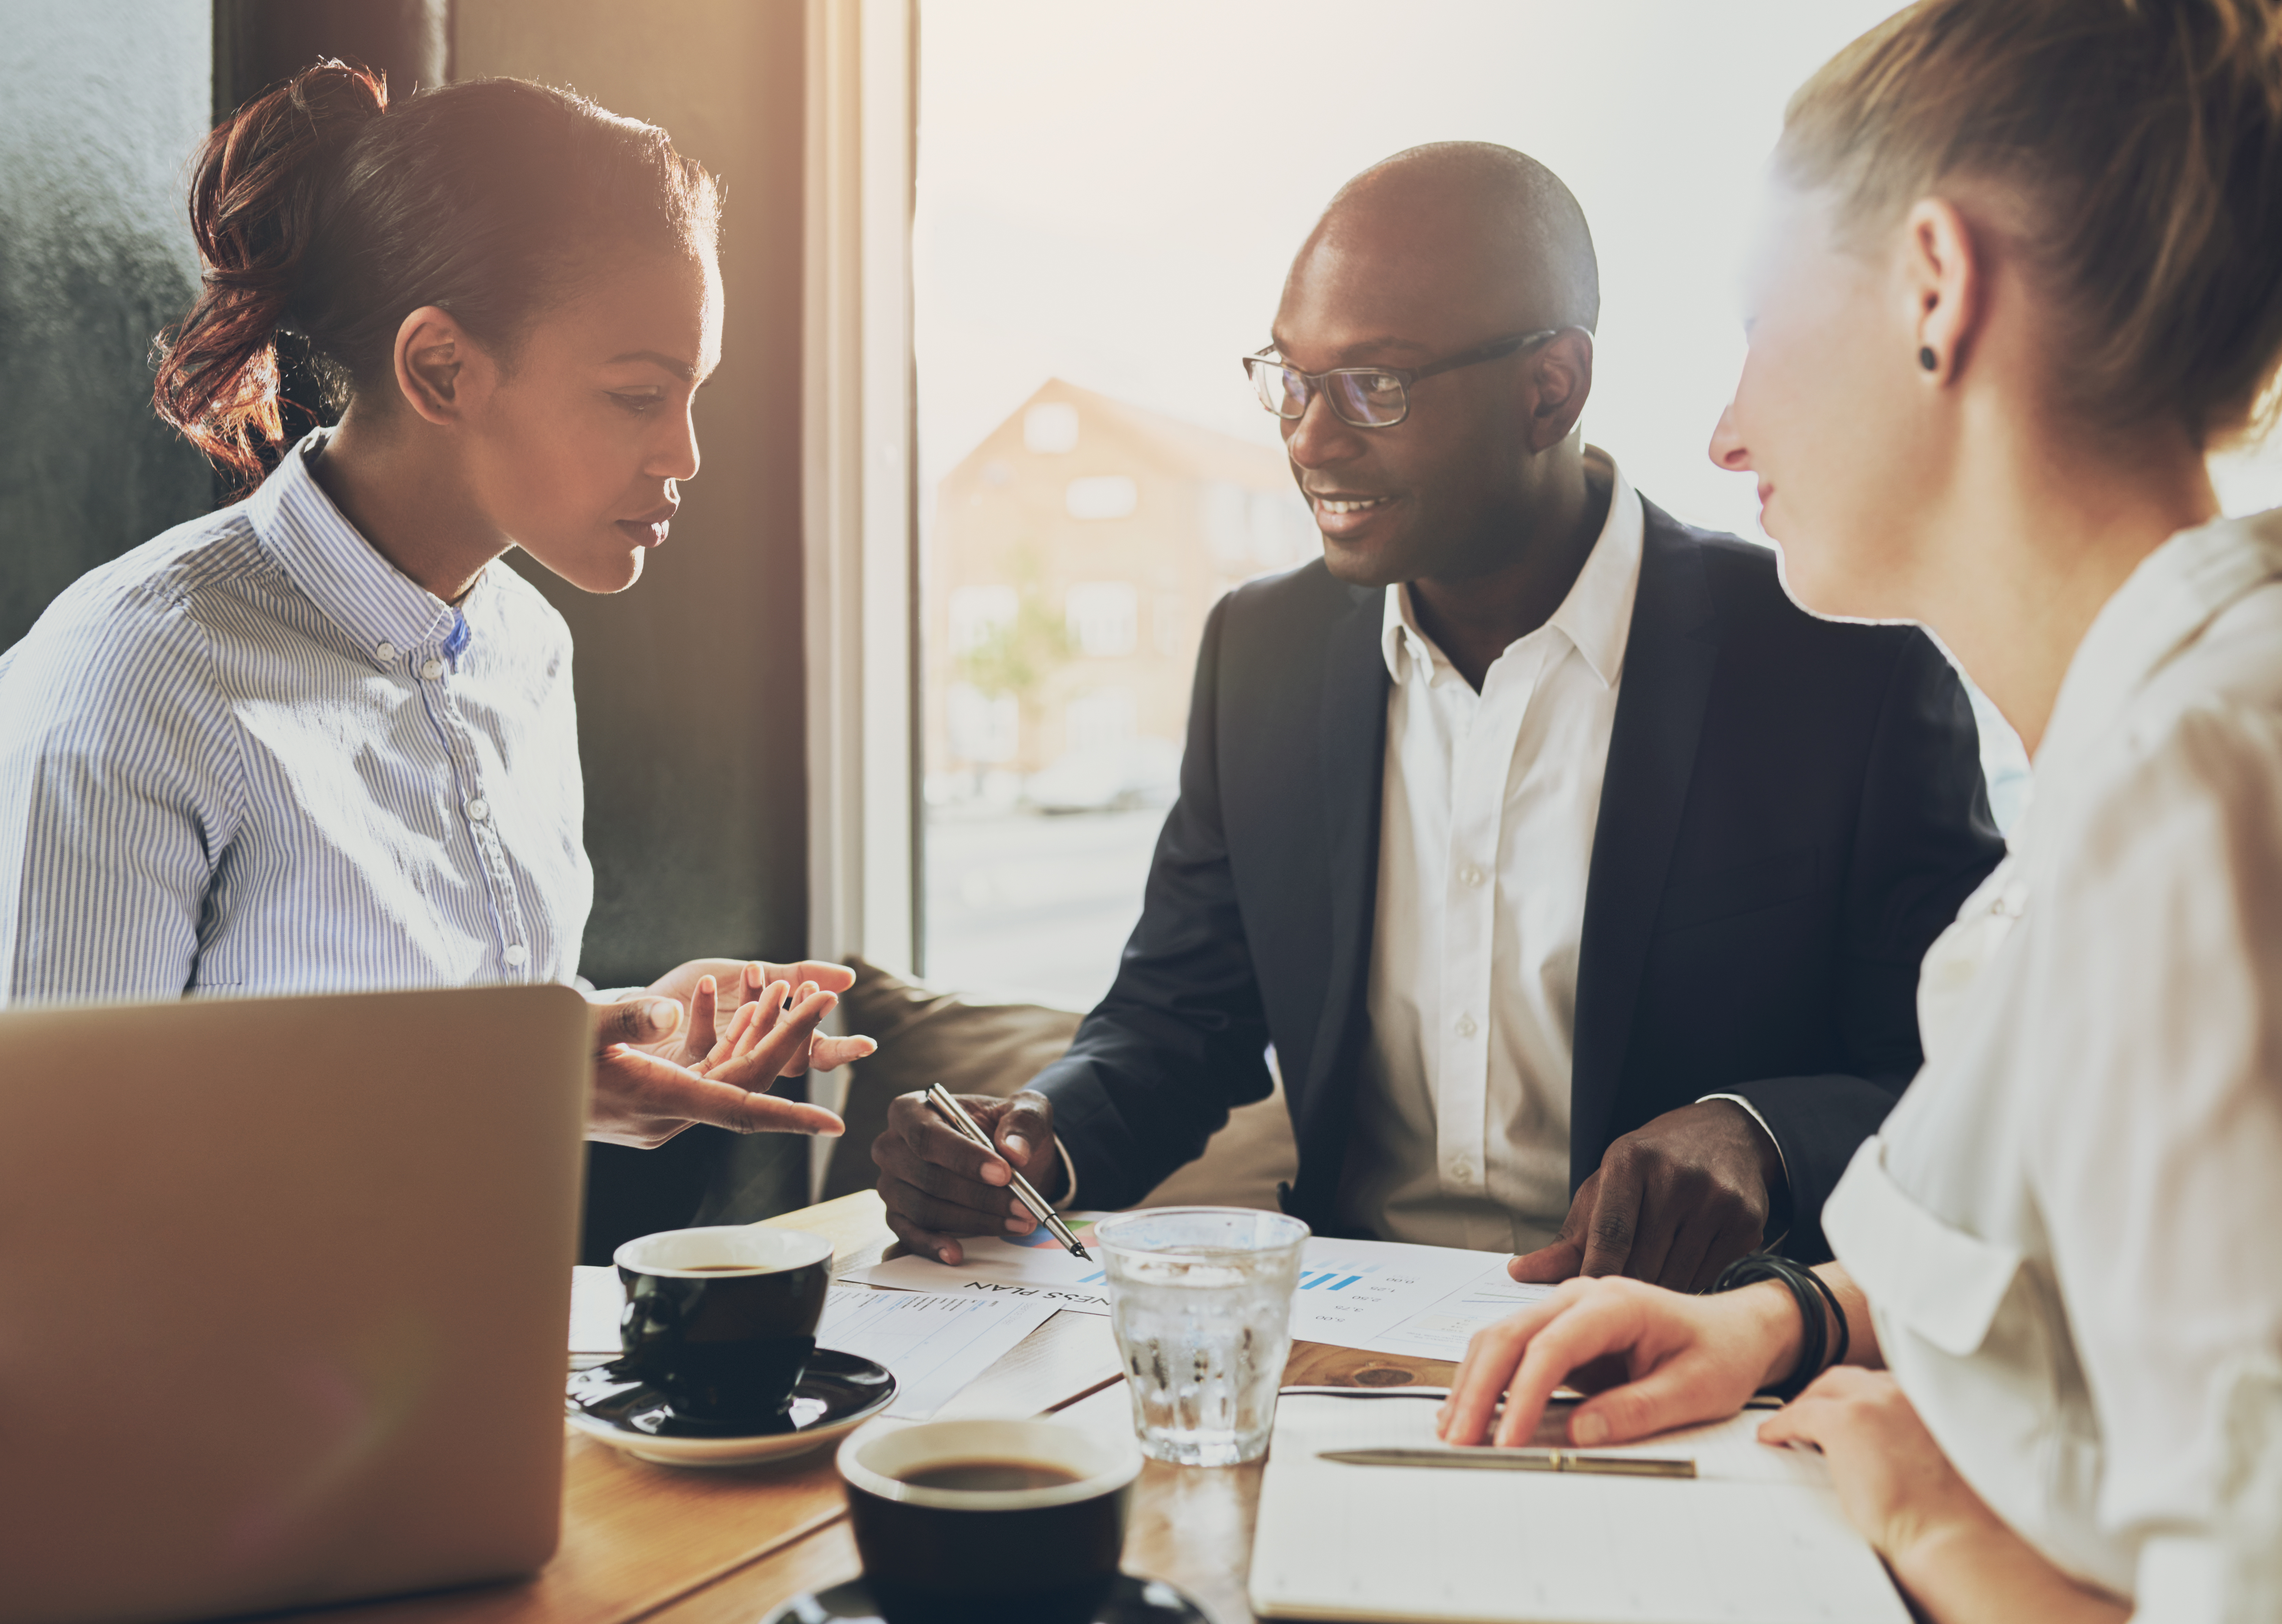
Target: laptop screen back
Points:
(283, 1291)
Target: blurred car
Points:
(1136, 772)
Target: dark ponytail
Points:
(253, 203)
(322, 215)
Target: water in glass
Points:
(1200, 1298)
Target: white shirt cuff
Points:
(1782, 1160)
(1069, 1197)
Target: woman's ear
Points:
(1941, 277)
(441, 373)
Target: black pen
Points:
(953, 1112)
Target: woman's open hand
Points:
(713, 989)
(664, 1060)
(1653, 1358)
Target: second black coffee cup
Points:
(722, 1320)
(988, 1521)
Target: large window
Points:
(1108, 197)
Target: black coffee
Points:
(724, 1341)
(988, 1476)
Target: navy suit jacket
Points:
(1793, 810)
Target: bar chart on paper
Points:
(1383, 1297)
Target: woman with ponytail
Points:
(322, 739)
(2023, 273)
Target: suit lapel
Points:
(1351, 751)
(1669, 658)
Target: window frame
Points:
(860, 549)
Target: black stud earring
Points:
(1928, 360)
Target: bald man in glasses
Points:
(1578, 878)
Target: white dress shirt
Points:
(251, 756)
(2070, 1228)
(1462, 1114)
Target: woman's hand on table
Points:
(656, 1072)
(1653, 1359)
(1897, 1488)
(1955, 1557)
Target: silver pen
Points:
(955, 1113)
(1520, 1460)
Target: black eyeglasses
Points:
(1366, 397)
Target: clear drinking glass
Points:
(1200, 1298)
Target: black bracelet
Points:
(1810, 1291)
(1838, 1316)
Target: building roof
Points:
(1206, 452)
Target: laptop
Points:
(282, 1290)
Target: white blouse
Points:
(2070, 1228)
(251, 756)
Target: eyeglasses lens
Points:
(1367, 399)
(1281, 390)
(1364, 399)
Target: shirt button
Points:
(1471, 875)
(384, 651)
(516, 954)
(1462, 1169)
(1466, 1027)
(433, 670)
(479, 808)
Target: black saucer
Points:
(837, 1392)
(1130, 1601)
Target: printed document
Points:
(1384, 1296)
(1379, 1297)
(1035, 1269)
(934, 1342)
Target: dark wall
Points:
(690, 685)
(100, 106)
(258, 44)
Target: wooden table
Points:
(669, 1545)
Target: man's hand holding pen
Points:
(939, 1185)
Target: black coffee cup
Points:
(980, 1522)
(723, 1320)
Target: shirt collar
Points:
(1597, 616)
(338, 570)
(2162, 606)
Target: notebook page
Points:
(1756, 1538)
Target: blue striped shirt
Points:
(251, 756)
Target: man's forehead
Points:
(1373, 302)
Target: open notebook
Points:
(1757, 1537)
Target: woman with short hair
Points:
(2024, 273)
